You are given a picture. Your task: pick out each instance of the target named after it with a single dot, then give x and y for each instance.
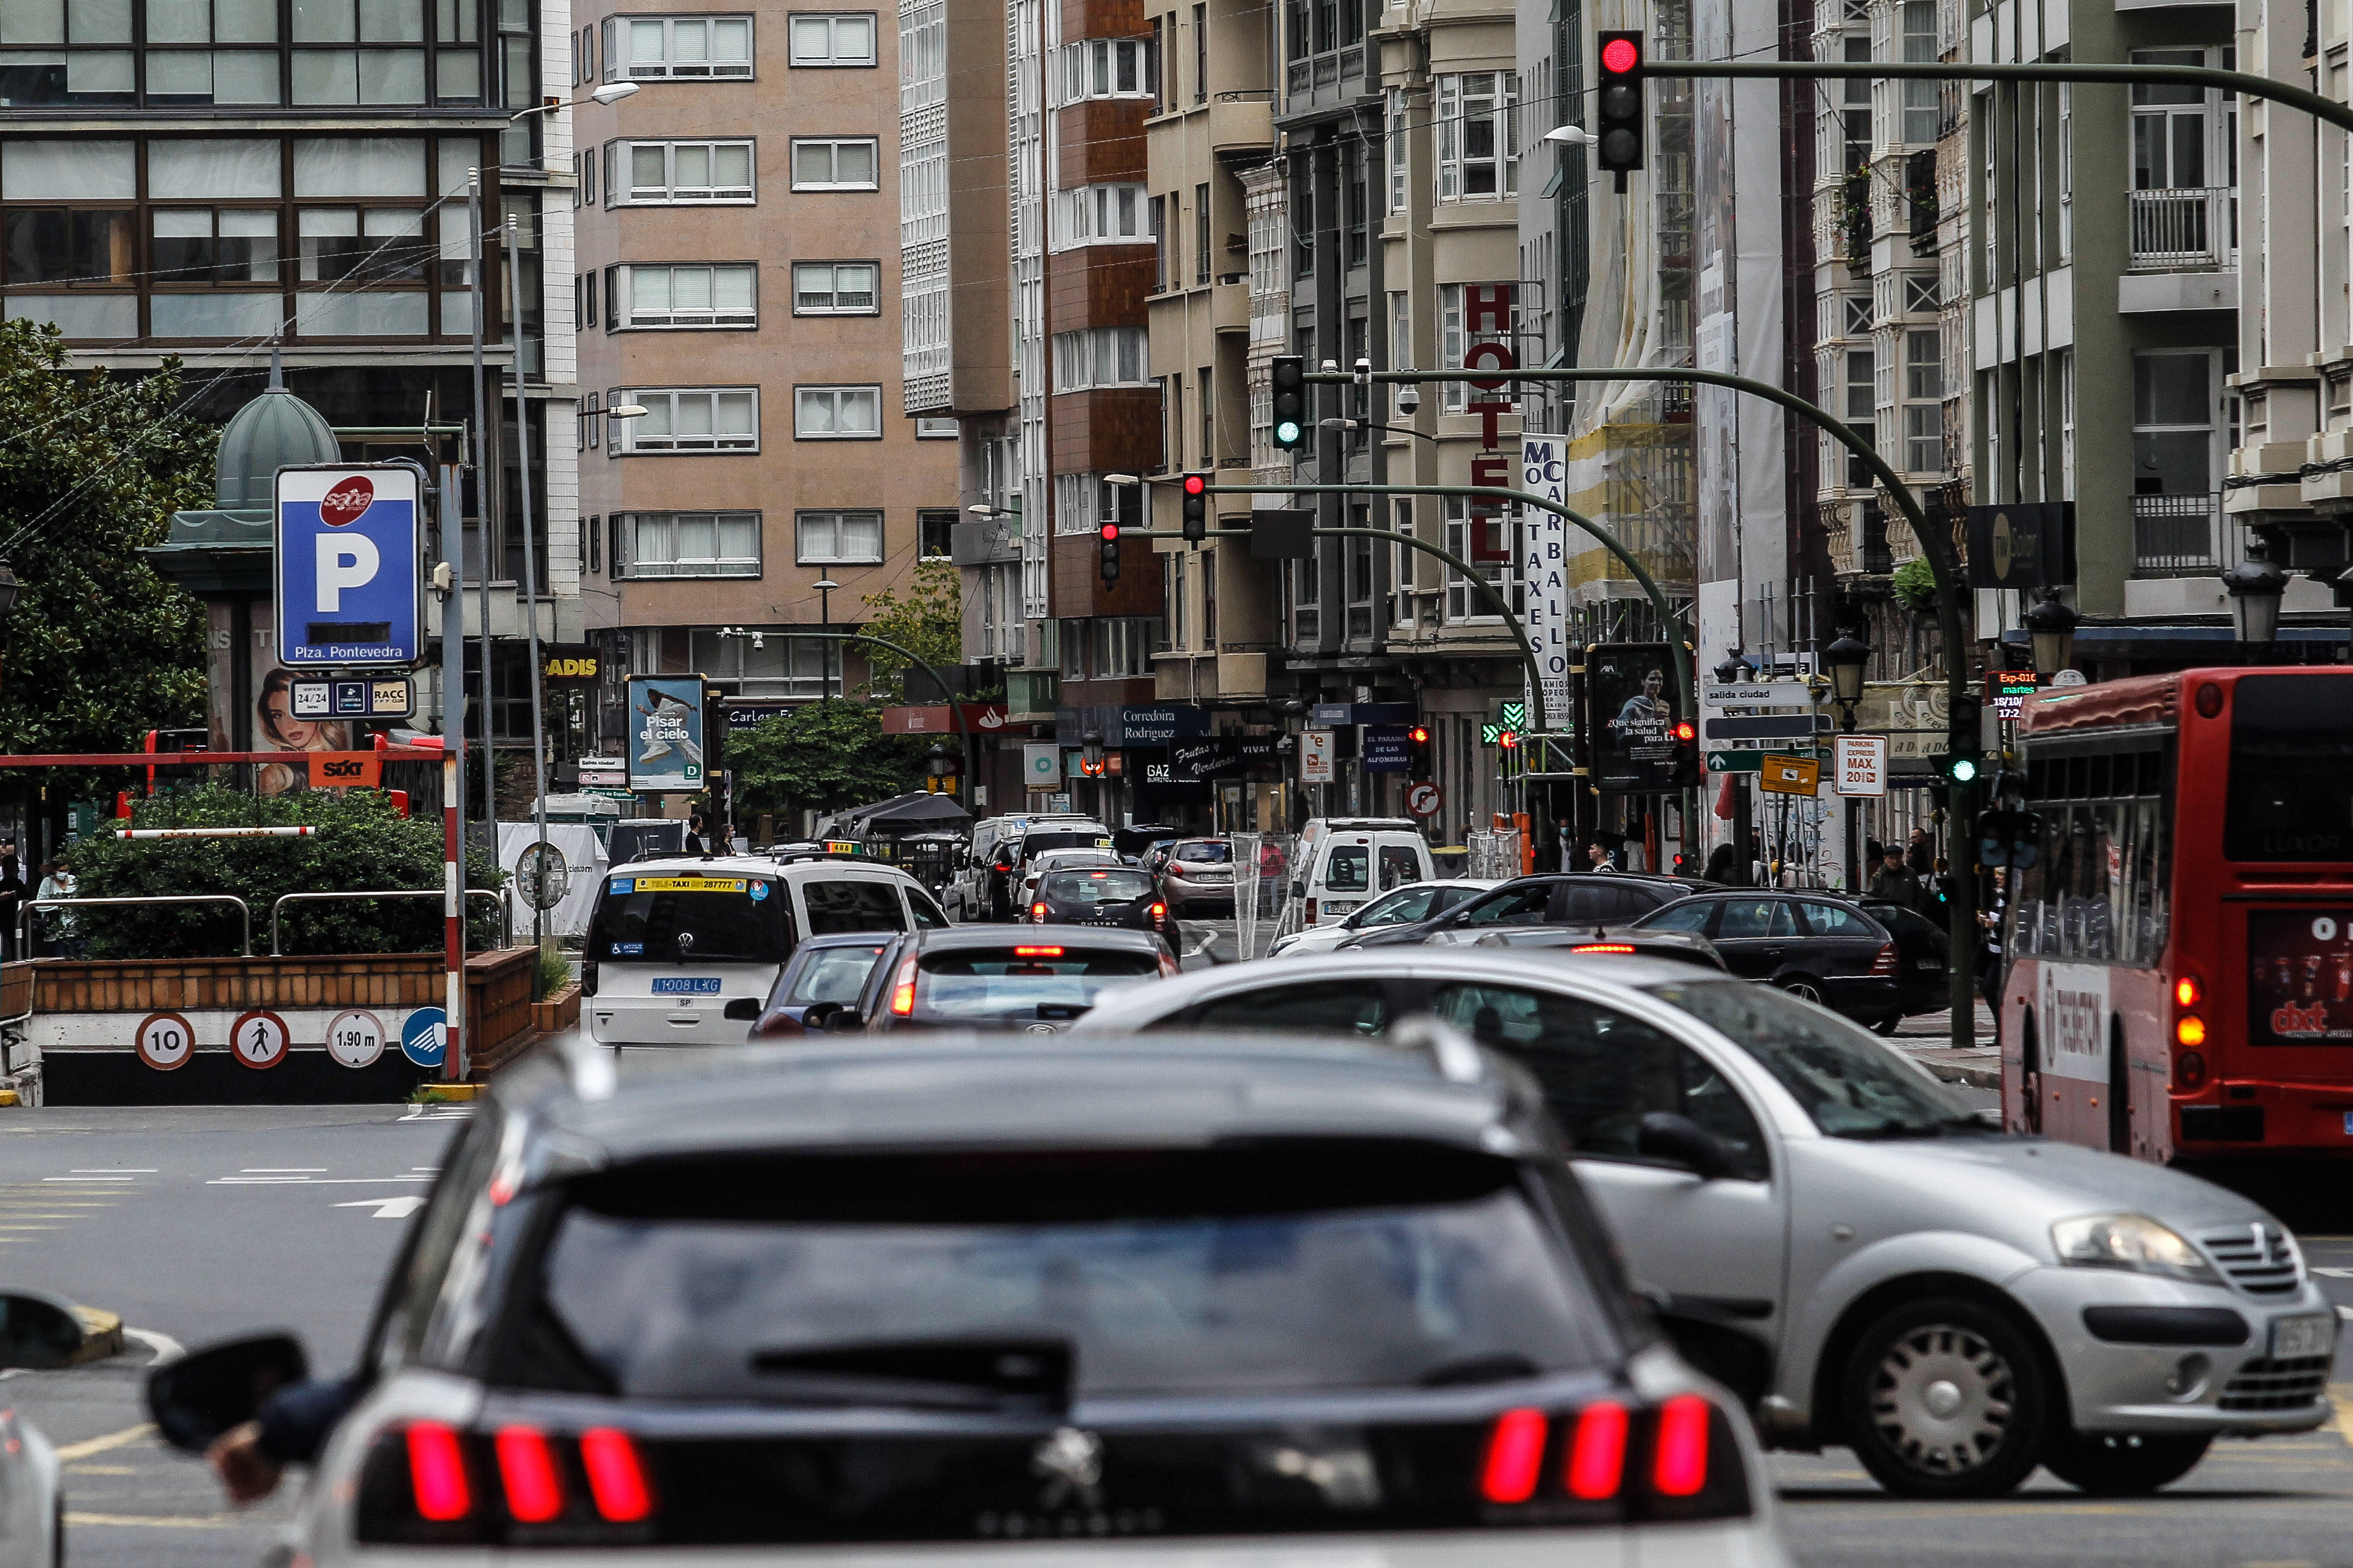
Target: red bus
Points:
(2181, 951)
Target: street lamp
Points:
(825, 587)
(935, 763)
(1735, 669)
(1569, 135)
(1847, 657)
(2255, 585)
(2051, 625)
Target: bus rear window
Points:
(708, 919)
(2291, 791)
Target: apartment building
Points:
(212, 180)
(740, 251)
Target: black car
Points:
(1017, 977)
(1813, 945)
(1922, 958)
(1679, 947)
(1577, 899)
(1102, 896)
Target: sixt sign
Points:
(349, 578)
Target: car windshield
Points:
(833, 974)
(1268, 1266)
(689, 919)
(1404, 905)
(1095, 887)
(1205, 852)
(1850, 1084)
(1024, 980)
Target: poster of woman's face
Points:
(277, 729)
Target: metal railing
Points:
(2179, 230)
(244, 914)
(2184, 536)
(506, 914)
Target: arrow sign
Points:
(400, 1207)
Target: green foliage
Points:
(360, 846)
(1916, 586)
(929, 620)
(554, 973)
(98, 649)
(821, 757)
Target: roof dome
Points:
(275, 430)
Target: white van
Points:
(684, 951)
(1351, 862)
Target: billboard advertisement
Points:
(2300, 977)
(1627, 711)
(666, 732)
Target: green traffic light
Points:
(1964, 770)
(1286, 433)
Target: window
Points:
(1124, 648)
(936, 429)
(934, 530)
(1470, 538)
(1201, 233)
(651, 49)
(834, 40)
(697, 420)
(655, 174)
(1924, 408)
(1161, 101)
(1101, 215)
(1858, 315)
(687, 545)
(1920, 294)
(1493, 309)
(1397, 152)
(837, 163)
(2173, 423)
(1164, 271)
(1401, 578)
(838, 538)
(1105, 68)
(1172, 594)
(1083, 503)
(1209, 601)
(1478, 135)
(837, 412)
(193, 244)
(1857, 111)
(1920, 113)
(679, 296)
(834, 289)
(1861, 398)
(1201, 54)
(1100, 356)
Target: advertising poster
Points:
(666, 732)
(1628, 716)
(2299, 977)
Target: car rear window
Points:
(833, 974)
(709, 919)
(1288, 1265)
(1347, 868)
(851, 906)
(1095, 887)
(1036, 844)
(1045, 980)
(1205, 852)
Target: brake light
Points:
(1515, 1455)
(1038, 911)
(1884, 961)
(1679, 1465)
(2187, 992)
(1160, 912)
(1603, 947)
(1311, 911)
(1597, 1454)
(902, 990)
(437, 1473)
(527, 1471)
(2189, 1070)
(1036, 952)
(616, 1477)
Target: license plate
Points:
(1338, 906)
(2295, 1338)
(669, 987)
(1935, 963)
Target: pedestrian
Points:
(1598, 857)
(1990, 970)
(1720, 861)
(1872, 854)
(695, 835)
(1895, 883)
(1921, 855)
(63, 926)
(11, 895)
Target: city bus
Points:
(2182, 946)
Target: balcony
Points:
(2184, 536)
(2194, 230)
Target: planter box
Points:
(561, 1011)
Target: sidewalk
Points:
(1926, 1038)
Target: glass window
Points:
(670, 172)
(678, 48)
(215, 244)
(852, 906)
(684, 296)
(1478, 130)
(833, 974)
(836, 288)
(68, 171)
(1399, 865)
(722, 419)
(1325, 1007)
(687, 545)
(1837, 920)
(845, 39)
(1403, 907)
(2290, 786)
(1348, 868)
(1100, 356)
(718, 925)
(837, 412)
(1522, 906)
(837, 163)
(825, 538)
(71, 245)
(1686, 914)
(1755, 917)
(359, 166)
(1103, 215)
(360, 244)
(216, 169)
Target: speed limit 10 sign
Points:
(164, 1041)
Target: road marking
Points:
(165, 1347)
(101, 1469)
(162, 1522)
(389, 1208)
(69, 1452)
(284, 1170)
(2340, 1397)
(124, 1180)
(113, 1170)
(2334, 1271)
(310, 1181)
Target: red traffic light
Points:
(1619, 56)
(1419, 734)
(1195, 484)
(1508, 740)
(1686, 731)
(1111, 532)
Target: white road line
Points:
(165, 1347)
(113, 1170)
(126, 1180)
(310, 1181)
(389, 1208)
(283, 1170)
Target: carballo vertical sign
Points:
(1544, 473)
(349, 576)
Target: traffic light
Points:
(1197, 507)
(1686, 739)
(1110, 553)
(1290, 411)
(1962, 740)
(1618, 144)
(1418, 752)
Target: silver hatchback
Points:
(1827, 1231)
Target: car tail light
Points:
(1159, 912)
(1037, 912)
(2189, 1070)
(1885, 963)
(1676, 1461)
(902, 990)
(437, 1473)
(587, 979)
(1311, 911)
(617, 1478)
(1596, 1453)
(1603, 947)
(527, 1471)
(1515, 1455)
(1038, 952)
(1679, 1463)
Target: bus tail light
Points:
(1884, 961)
(2189, 991)
(2189, 1029)
(902, 990)
(2189, 1070)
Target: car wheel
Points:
(2124, 1464)
(1804, 991)
(1944, 1398)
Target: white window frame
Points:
(1101, 213)
(1080, 355)
(1484, 100)
(621, 65)
(1454, 396)
(833, 20)
(874, 150)
(833, 390)
(1090, 68)
(834, 292)
(620, 175)
(629, 438)
(834, 517)
(631, 533)
(625, 316)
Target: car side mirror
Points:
(1298, 889)
(1663, 1135)
(204, 1394)
(39, 1330)
(841, 1021)
(816, 1014)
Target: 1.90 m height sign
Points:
(349, 579)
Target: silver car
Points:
(1832, 1234)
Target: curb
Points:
(101, 1335)
(444, 1093)
(1975, 1078)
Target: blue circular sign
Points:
(425, 1038)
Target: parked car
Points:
(1834, 1235)
(823, 977)
(1198, 879)
(1345, 868)
(1813, 945)
(1034, 868)
(1225, 1302)
(1923, 954)
(1102, 896)
(1413, 902)
(1679, 947)
(1583, 899)
(1009, 977)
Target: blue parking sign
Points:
(349, 574)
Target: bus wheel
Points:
(2124, 1464)
(1943, 1397)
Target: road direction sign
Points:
(259, 1039)
(399, 1207)
(1790, 775)
(1756, 694)
(164, 1041)
(1858, 765)
(349, 580)
(1424, 799)
(1766, 727)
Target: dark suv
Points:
(1599, 899)
(1814, 946)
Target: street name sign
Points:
(349, 580)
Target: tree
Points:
(99, 649)
(821, 757)
(929, 620)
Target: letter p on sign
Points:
(346, 561)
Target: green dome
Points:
(275, 430)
